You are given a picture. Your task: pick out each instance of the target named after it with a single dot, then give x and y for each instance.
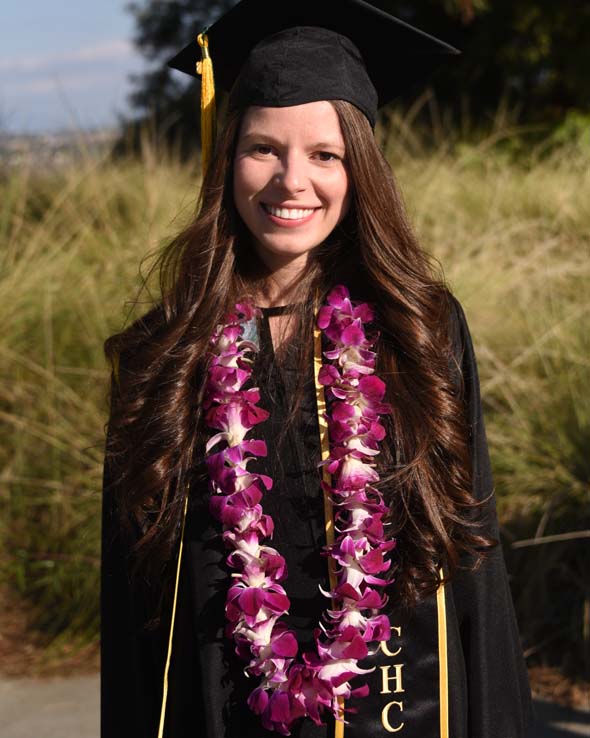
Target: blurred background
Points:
(99, 167)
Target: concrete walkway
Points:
(68, 708)
(50, 708)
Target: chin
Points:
(285, 251)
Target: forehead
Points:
(296, 121)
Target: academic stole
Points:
(409, 687)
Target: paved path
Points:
(68, 708)
(49, 708)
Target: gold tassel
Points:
(208, 113)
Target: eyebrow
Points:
(329, 145)
(261, 136)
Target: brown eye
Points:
(327, 156)
(263, 149)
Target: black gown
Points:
(454, 666)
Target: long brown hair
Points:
(154, 441)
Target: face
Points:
(291, 183)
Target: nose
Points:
(290, 175)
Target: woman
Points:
(301, 256)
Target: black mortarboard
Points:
(304, 64)
(276, 53)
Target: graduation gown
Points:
(453, 668)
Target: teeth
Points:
(289, 213)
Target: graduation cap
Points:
(276, 53)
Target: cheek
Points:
(244, 187)
(343, 193)
(240, 186)
(248, 181)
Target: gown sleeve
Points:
(130, 689)
(498, 692)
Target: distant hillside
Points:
(53, 150)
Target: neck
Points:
(282, 283)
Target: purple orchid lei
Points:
(292, 688)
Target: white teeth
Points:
(288, 213)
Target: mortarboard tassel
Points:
(208, 112)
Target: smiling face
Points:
(291, 183)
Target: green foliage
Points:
(575, 129)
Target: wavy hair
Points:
(155, 444)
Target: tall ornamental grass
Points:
(513, 239)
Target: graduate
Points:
(299, 528)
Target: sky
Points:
(64, 64)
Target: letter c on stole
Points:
(385, 717)
(385, 647)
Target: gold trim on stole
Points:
(172, 619)
(443, 678)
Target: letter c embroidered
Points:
(385, 717)
(385, 647)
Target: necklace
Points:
(290, 687)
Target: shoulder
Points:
(126, 348)
(470, 393)
(460, 337)
(459, 346)
(148, 325)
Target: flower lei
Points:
(292, 688)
